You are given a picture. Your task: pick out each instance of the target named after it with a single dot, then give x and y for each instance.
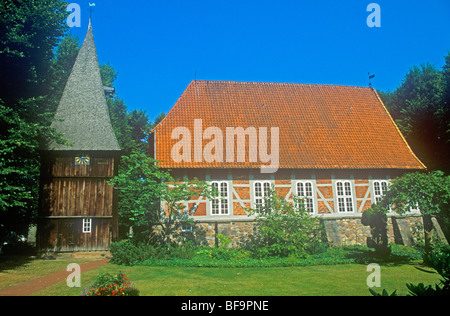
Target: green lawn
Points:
(16, 270)
(342, 280)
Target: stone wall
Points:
(237, 231)
(340, 231)
(353, 232)
(350, 231)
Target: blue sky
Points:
(159, 47)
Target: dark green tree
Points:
(428, 192)
(421, 110)
(30, 30)
(61, 66)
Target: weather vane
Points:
(370, 77)
(91, 8)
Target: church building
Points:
(78, 208)
(337, 147)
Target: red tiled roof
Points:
(320, 126)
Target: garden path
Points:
(37, 284)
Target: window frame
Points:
(345, 197)
(378, 197)
(87, 226)
(259, 206)
(221, 199)
(306, 198)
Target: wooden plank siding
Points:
(66, 235)
(71, 193)
(80, 197)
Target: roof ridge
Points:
(277, 83)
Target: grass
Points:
(15, 270)
(336, 280)
(346, 279)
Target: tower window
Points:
(87, 225)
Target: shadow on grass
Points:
(16, 255)
(13, 262)
(399, 256)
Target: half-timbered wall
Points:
(339, 197)
(325, 186)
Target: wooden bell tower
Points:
(78, 208)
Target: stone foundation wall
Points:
(353, 232)
(340, 231)
(350, 231)
(237, 231)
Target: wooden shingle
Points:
(82, 115)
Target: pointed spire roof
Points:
(86, 124)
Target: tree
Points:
(420, 108)
(142, 187)
(140, 184)
(61, 67)
(108, 74)
(29, 32)
(428, 192)
(445, 125)
(176, 211)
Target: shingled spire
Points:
(82, 115)
(78, 208)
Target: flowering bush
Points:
(108, 285)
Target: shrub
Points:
(239, 258)
(438, 259)
(108, 285)
(376, 218)
(284, 229)
(128, 253)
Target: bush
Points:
(284, 229)
(17, 248)
(376, 218)
(108, 285)
(438, 259)
(128, 253)
(239, 258)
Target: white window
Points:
(87, 225)
(186, 227)
(219, 205)
(261, 192)
(344, 196)
(380, 188)
(305, 192)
